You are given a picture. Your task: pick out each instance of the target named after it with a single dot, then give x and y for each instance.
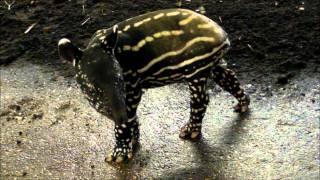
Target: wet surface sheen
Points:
(48, 130)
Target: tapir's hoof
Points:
(190, 131)
(119, 155)
(242, 106)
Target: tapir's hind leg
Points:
(198, 104)
(227, 79)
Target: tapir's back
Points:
(164, 38)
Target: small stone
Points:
(18, 118)
(46, 29)
(19, 142)
(283, 80)
(37, 116)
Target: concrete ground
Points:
(49, 131)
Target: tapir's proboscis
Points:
(152, 50)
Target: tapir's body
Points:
(165, 46)
(151, 50)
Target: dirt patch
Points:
(26, 108)
(265, 36)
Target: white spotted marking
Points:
(137, 24)
(135, 48)
(137, 96)
(175, 75)
(119, 50)
(203, 79)
(134, 106)
(126, 28)
(187, 20)
(141, 43)
(176, 32)
(126, 48)
(136, 83)
(101, 38)
(158, 16)
(165, 33)
(130, 92)
(128, 108)
(163, 78)
(185, 13)
(128, 72)
(204, 26)
(149, 38)
(132, 119)
(157, 35)
(217, 29)
(173, 13)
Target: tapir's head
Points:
(100, 49)
(105, 73)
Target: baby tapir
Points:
(152, 50)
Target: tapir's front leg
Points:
(127, 131)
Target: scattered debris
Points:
(179, 3)
(201, 10)
(30, 27)
(37, 116)
(85, 21)
(257, 53)
(10, 4)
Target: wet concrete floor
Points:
(49, 131)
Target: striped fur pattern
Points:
(164, 47)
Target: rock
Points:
(46, 29)
(284, 79)
(291, 66)
(37, 116)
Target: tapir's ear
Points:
(111, 39)
(68, 51)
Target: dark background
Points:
(271, 40)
